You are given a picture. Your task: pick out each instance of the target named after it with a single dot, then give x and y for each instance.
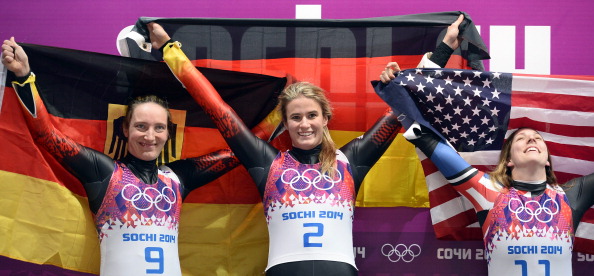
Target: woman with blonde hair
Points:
(309, 191)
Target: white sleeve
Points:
(426, 63)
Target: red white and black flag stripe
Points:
(474, 111)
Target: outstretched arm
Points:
(368, 147)
(255, 154)
(364, 151)
(447, 160)
(198, 171)
(471, 183)
(92, 168)
(438, 58)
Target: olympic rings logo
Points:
(549, 209)
(305, 177)
(166, 194)
(401, 252)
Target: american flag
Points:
(475, 110)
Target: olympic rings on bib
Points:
(401, 252)
(166, 194)
(306, 178)
(520, 208)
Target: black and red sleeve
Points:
(91, 167)
(364, 151)
(254, 153)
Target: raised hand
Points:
(14, 58)
(388, 74)
(451, 37)
(158, 35)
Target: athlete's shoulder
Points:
(168, 172)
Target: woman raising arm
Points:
(131, 197)
(309, 191)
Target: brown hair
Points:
(145, 99)
(502, 173)
(310, 91)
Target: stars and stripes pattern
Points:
(475, 110)
(468, 107)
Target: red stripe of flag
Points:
(571, 151)
(457, 222)
(559, 129)
(485, 168)
(442, 195)
(588, 216)
(428, 167)
(563, 177)
(582, 245)
(552, 101)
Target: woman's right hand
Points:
(388, 74)
(14, 58)
(158, 35)
(451, 37)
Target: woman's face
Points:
(147, 132)
(528, 148)
(305, 122)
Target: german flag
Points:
(222, 230)
(45, 222)
(341, 56)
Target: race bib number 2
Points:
(318, 231)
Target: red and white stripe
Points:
(562, 110)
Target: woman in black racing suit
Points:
(309, 191)
(134, 202)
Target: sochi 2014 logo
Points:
(308, 178)
(532, 209)
(144, 199)
(401, 252)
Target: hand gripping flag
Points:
(46, 225)
(341, 56)
(475, 110)
(294, 46)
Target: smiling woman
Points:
(309, 191)
(305, 123)
(306, 111)
(145, 126)
(520, 198)
(136, 204)
(524, 156)
(518, 205)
